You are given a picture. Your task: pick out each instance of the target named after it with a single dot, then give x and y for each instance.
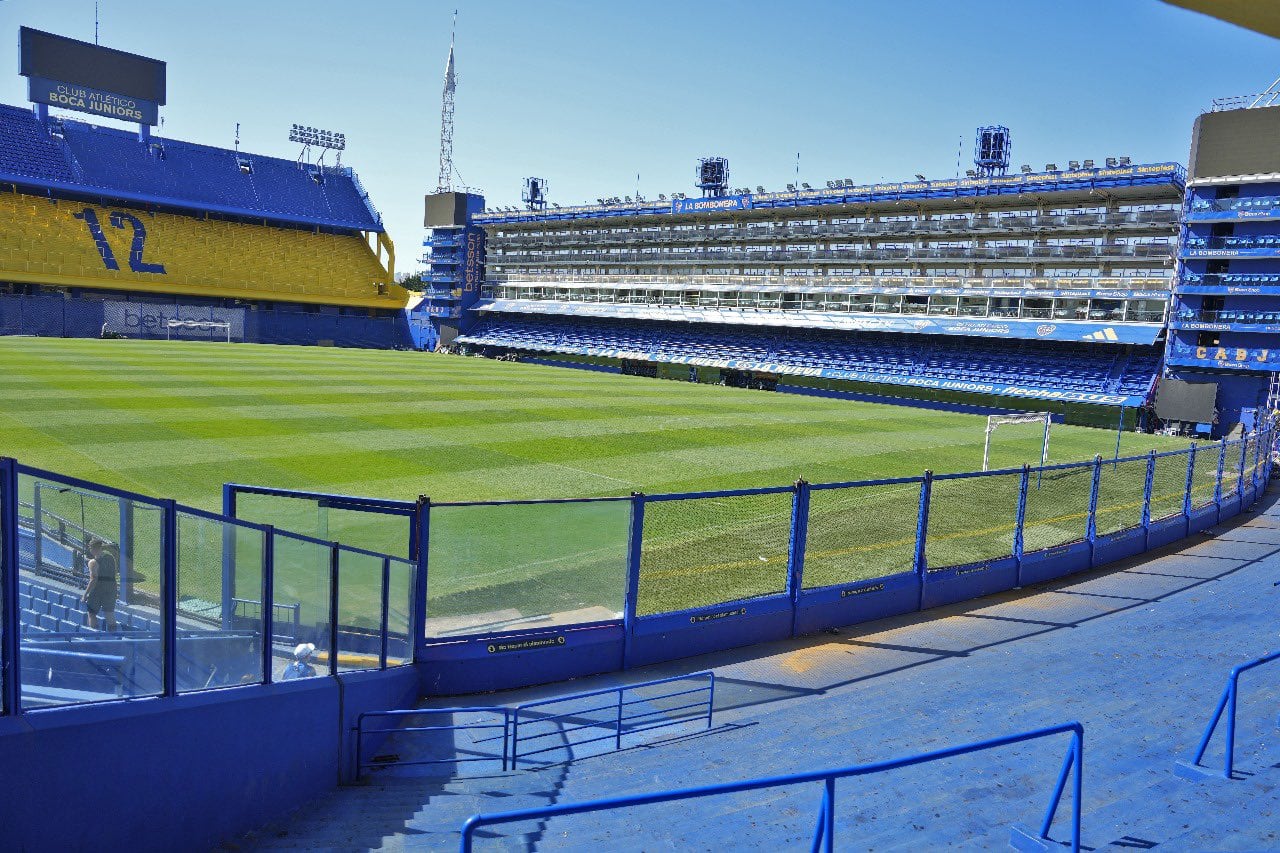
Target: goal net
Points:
(1023, 439)
(197, 330)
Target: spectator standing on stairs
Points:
(103, 586)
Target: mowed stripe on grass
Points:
(178, 419)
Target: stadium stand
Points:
(893, 359)
(1044, 285)
(87, 157)
(28, 150)
(93, 217)
(46, 240)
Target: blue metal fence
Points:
(824, 833)
(661, 704)
(703, 571)
(665, 576)
(655, 712)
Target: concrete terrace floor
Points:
(1137, 652)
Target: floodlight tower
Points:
(445, 182)
(713, 176)
(535, 193)
(991, 150)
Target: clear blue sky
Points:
(588, 94)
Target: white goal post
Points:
(994, 421)
(209, 326)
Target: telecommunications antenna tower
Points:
(445, 182)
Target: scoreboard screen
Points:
(1235, 142)
(63, 60)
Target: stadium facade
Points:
(1048, 286)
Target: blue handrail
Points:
(824, 833)
(505, 726)
(619, 723)
(1226, 705)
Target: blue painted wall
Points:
(183, 773)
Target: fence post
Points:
(128, 551)
(1257, 456)
(228, 557)
(10, 677)
(1217, 485)
(635, 542)
(335, 560)
(1019, 544)
(38, 514)
(617, 742)
(418, 611)
(1091, 525)
(922, 532)
(268, 601)
(1146, 500)
(1191, 476)
(169, 596)
(1244, 451)
(799, 535)
(386, 612)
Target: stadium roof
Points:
(1257, 15)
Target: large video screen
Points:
(1236, 142)
(60, 59)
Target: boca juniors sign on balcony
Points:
(76, 75)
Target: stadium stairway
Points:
(1138, 652)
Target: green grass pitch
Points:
(179, 419)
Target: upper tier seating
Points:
(183, 174)
(27, 149)
(1083, 368)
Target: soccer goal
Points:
(1043, 421)
(197, 330)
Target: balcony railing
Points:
(835, 283)
(1245, 206)
(1006, 225)
(713, 257)
(1233, 243)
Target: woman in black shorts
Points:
(101, 592)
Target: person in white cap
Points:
(301, 666)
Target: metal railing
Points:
(824, 833)
(833, 281)
(1226, 706)
(361, 733)
(622, 723)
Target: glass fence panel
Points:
(373, 531)
(219, 636)
(89, 578)
(501, 567)
(359, 610)
(1204, 478)
(860, 533)
(399, 612)
(300, 620)
(971, 519)
(1169, 486)
(1121, 494)
(703, 551)
(1057, 507)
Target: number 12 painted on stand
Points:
(119, 220)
